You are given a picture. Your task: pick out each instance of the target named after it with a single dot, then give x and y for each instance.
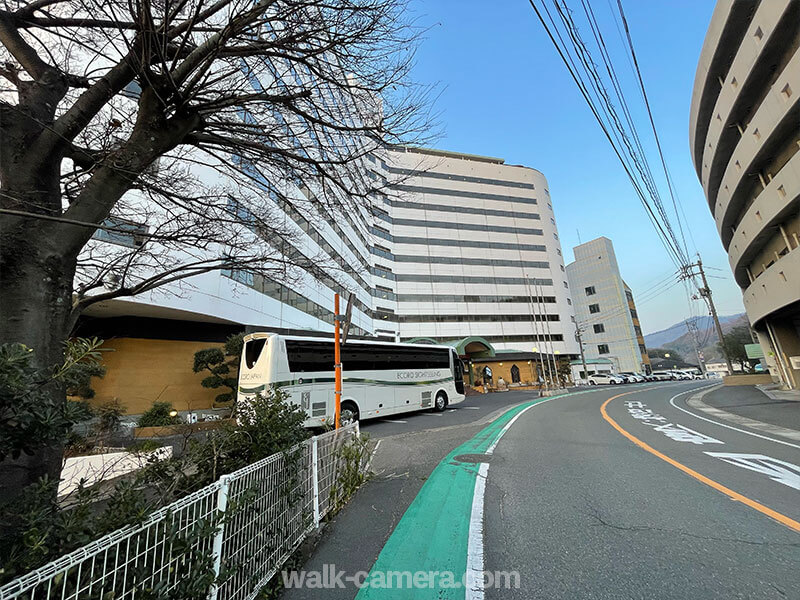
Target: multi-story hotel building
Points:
(604, 308)
(473, 249)
(459, 247)
(745, 144)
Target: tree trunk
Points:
(35, 310)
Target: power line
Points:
(553, 31)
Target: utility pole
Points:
(705, 292)
(692, 327)
(580, 345)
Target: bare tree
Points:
(172, 127)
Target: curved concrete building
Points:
(745, 144)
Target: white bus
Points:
(379, 379)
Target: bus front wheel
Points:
(441, 402)
(348, 414)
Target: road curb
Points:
(696, 401)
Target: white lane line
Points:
(372, 456)
(471, 407)
(427, 414)
(475, 568)
(393, 421)
(758, 435)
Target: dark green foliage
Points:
(109, 416)
(222, 364)
(47, 529)
(158, 415)
(30, 416)
(734, 345)
(266, 425)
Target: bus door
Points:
(458, 373)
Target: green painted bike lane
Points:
(432, 536)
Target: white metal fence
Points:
(237, 531)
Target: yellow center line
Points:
(781, 518)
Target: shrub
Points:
(31, 417)
(109, 417)
(222, 364)
(158, 415)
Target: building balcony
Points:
(779, 199)
(773, 127)
(774, 289)
(763, 46)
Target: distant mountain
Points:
(678, 337)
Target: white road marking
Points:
(427, 414)
(393, 421)
(777, 470)
(758, 435)
(474, 574)
(471, 407)
(372, 456)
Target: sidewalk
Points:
(750, 402)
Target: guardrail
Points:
(230, 537)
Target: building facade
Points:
(745, 143)
(604, 308)
(459, 246)
(473, 250)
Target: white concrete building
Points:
(604, 308)
(473, 250)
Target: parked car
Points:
(662, 375)
(681, 375)
(605, 379)
(634, 377)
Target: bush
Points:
(158, 415)
(50, 527)
(31, 416)
(222, 364)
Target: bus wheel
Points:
(441, 402)
(348, 414)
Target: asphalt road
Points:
(581, 511)
(604, 493)
(470, 410)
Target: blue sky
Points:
(503, 91)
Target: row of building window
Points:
(425, 278)
(464, 178)
(555, 337)
(483, 262)
(465, 318)
(462, 210)
(468, 226)
(468, 244)
(476, 299)
(463, 194)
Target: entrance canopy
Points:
(471, 347)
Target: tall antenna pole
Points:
(546, 331)
(535, 329)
